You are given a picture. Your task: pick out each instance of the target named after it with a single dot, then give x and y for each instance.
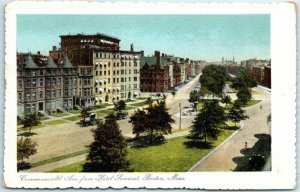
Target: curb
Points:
(214, 150)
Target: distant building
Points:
(45, 87)
(154, 73)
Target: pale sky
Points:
(201, 37)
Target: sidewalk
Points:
(225, 158)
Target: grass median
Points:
(173, 156)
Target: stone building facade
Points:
(46, 87)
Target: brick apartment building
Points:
(154, 73)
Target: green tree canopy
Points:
(31, 120)
(226, 99)
(244, 95)
(120, 105)
(108, 151)
(236, 113)
(213, 79)
(207, 122)
(25, 148)
(85, 112)
(154, 121)
(194, 96)
(244, 79)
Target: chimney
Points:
(163, 55)
(131, 47)
(157, 55)
(54, 48)
(38, 52)
(142, 53)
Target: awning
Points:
(100, 98)
(97, 81)
(135, 57)
(96, 99)
(114, 96)
(100, 89)
(100, 81)
(135, 93)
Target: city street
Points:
(69, 137)
(227, 157)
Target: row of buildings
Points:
(88, 70)
(261, 69)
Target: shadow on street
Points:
(254, 158)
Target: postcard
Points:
(150, 95)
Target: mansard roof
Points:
(67, 63)
(50, 63)
(152, 61)
(29, 63)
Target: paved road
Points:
(58, 140)
(225, 158)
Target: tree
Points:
(226, 99)
(31, 120)
(108, 151)
(152, 123)
(25, 148)
(194, 96)
(236, 113)
(207, 122)
(244, 95)
(213, 78)
(149, 101)
(120, 105)
(85, 112)
(139, 123)
(244, 79)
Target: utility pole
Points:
(180, 116)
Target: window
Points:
(135, 78)
(135, 86)
(59, 92)
(41, 82)
(74, 91)
(20, 84)
(66, 81)
(114, 80)
(104, 73)
(122, 79)
(34, 83)
(54, 93)
(66, 92)
(28, 96)
(33, 73)
(70, 92)
(135, 71)
(96, 73)
(41, 94)
(100, 73)
(20, 95)
(135, 64)
(27, 108)
(33, 96)
(108, 64)
(28, 83)
(108, 80)
(58, 81)
(48, 82)
(48, 94)
(129, 71)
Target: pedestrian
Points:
(246, 146)
(260, 106)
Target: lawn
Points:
(172, 156)
(252, 102)
(56, 122)
(74, 111)
(34, 127)
(73, 118)
(47, 161)
(59, 114)
(255, 92)
(139, 104)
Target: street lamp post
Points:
(179, 116)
